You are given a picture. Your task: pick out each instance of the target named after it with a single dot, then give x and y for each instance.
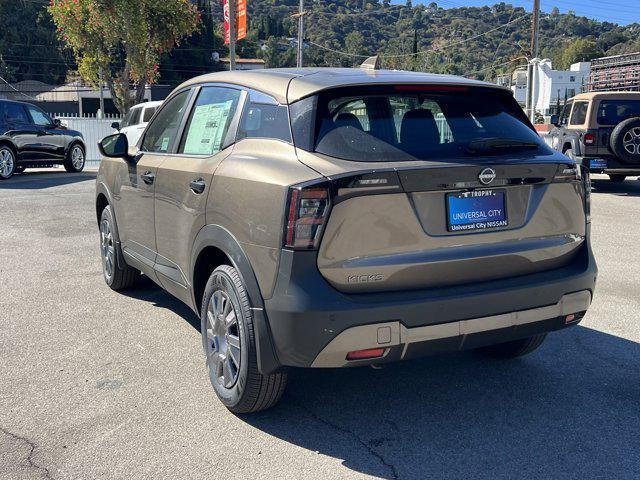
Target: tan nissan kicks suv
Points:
(344, 217)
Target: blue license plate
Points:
(476, 210)
(597, 163)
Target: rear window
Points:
(425, 122)
(612, 112)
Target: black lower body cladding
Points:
(306, 314)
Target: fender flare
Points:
(219, 237)
(72, 142)
(575, 145)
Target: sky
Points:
(622, 12)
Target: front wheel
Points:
(228, 339)
(513, 349)
(7, 162)
(617, 178)
(74, 162)
(117, 274)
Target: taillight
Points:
(307, 212)
(568, 173)
(589, 138)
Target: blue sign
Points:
(477, 210)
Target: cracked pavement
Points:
(95, 384)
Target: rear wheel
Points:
(617, 178)
(513, 349)
(228, 339)
(117, 274)
(7, 162)
(75, 159)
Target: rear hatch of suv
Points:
(435, 185)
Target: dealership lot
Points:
(95, 384)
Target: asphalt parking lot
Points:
(95, 384)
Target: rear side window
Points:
(407, 122)
(579, 113)
(209, 121)
(161, 133)
(265, 121)
(16, 113)
(612, 112)
(148, 114)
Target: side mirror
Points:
(116, 126)
(115, 146)
(555, 120)
(57, 122)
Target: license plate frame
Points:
(481, 208)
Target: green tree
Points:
(123, 39)
(580, 50)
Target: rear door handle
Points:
(148, 177)
(197, 186)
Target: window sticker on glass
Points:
(207, 128)
(165, 144)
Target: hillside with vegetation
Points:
(478, 42)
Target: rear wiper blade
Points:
(493, 144)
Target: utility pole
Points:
(300, 33)
(101, 75)
(532, 69)
(232, 34)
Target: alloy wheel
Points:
(7, 162)
(631, 141)
(223, 340)
(77, 157)
(107, 249)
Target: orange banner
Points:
(241, 20)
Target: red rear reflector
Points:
(569, 318)
(441, 88)
(589, 138)
(364, 354)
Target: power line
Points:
(15, 89)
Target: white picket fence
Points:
(93, 130)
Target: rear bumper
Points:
(314, 325)
(608, 164)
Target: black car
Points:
(31, 138)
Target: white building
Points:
(551, 85)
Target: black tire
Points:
(617, 178)
(8, 160)
(120, 276)
(625, 140)
(513, 349)
(246, 390)
(70, 165)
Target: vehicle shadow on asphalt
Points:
(147, 291)
(629, 188)
(42, 180)
(569, 410)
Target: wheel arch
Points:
(9, 143)
(213, 246)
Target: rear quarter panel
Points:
(248, 197)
